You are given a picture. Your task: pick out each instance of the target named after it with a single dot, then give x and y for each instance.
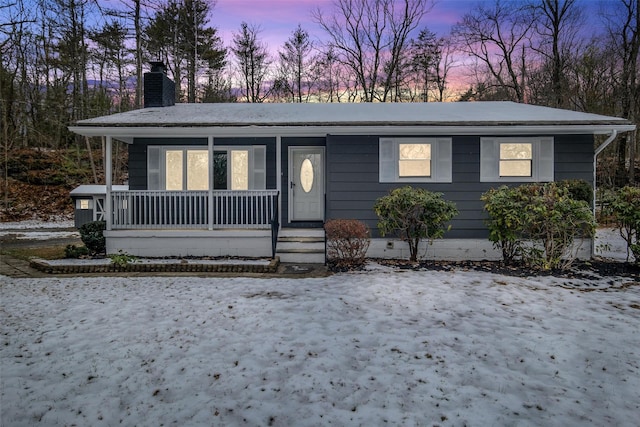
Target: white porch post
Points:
(211, 180)
(279, 176)
(108, 203)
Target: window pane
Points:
(197, 170)
(414, 160)
(239, 170)
(173, 166)
(220, 170)
(516, 151)
(515, 167)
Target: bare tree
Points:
(370, 37)
(494, 37)
(295, 64)
(622, 20)
(253, 63)
(557, 24)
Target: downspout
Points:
(599, 150)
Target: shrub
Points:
(92, 236)
(73, 251)
(538, 223)
(414, 214)
(625, 208)
(505, 221)
(578, 189)
(347, 242)
(122, 259)
(554, 219)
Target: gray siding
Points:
(353, 187)
(574, 157)
(138, 155)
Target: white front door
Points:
(306, 183)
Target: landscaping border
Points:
(177, 267)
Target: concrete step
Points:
(301, 245)
(301, 257)
(300, 239)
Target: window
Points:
(84, 204)
(188, 168)
(415, 160)
(516, 159)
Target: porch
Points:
(193, 223)
(201, 210)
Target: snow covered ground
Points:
(380, 347)
(38, 230)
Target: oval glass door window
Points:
(306, 175)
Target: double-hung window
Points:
(520, 159)
(415, 160)
(188, 168)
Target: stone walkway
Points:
(14, 267)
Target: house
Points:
(260, 179)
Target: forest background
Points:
(67, 60)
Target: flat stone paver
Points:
(14, 267)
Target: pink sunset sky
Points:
(278, 18)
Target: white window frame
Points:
(156, 176)
(542, 162)
(389, 160)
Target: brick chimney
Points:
(159, 90)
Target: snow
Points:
(609, 244)
(284, 114)
(40, 235)
(39, 230)
(371, 348)
(36, 224)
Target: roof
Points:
(95, 190)
(307, 118)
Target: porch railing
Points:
(148, 209)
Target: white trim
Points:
(127, 133)
(451, 249)
(162, 243)
(108, 206)
(210, 148)
(279, 175)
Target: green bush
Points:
(122, 259)
(414, 214)
(578, 189)
(73, 251)
(505, 222)
(92, 236)
(537, 223)
(625, 207)
(347, 242)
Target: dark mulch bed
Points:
(592, 269)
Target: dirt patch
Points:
(580, 270)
